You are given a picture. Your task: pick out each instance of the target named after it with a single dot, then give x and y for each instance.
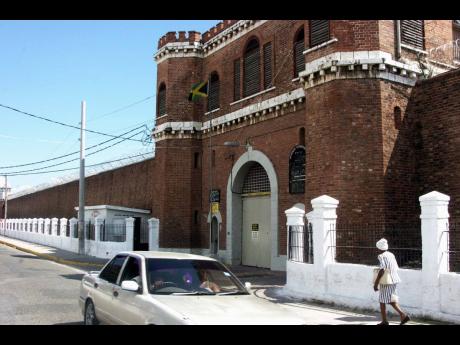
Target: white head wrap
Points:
(382, 244)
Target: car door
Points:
(104, 289)
(129, 307)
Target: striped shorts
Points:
(386, 292)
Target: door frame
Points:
(234, 208)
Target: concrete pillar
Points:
(129, 233)
(323, 219)
(154, 234)
(73, 225)
(34, 225)
(54, 226)
(29, 224)
(295, 222)
(97, 228)
(435, 224)
(41, 225)
(63, 226)
(47, 226)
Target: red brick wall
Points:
(436, 107)
(128, 186)
(344, 147)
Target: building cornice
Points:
(359, 65)
(201, 50)
(249, 115)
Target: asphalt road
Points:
(35, 291)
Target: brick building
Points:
(336, 107)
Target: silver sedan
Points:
(160, 288)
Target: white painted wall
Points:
(430, 292)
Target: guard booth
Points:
(115, 216)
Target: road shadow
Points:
(79, 323)
(78, 276)
(27, 256)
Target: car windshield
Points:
(191, 277)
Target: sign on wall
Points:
(214, 195)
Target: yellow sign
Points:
(214, 207)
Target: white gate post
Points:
(97, 228)
(324, 217)
(435, 224)
(63, 225)
(73, 223)
(54, 225)
(295, 218)
(154, 232)
(129, 233)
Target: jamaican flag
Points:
(198, 90)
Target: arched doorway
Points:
(256, 234)
(237, 213)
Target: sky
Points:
(48, 68)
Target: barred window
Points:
(213, 92)
(251, 69)
(319, 32)
(256, 180)
(299, 47)
(162, 100)
(267, 65)
(297, 170)
(456, 35)
(412, 33)
(236, 80)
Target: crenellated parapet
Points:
(174, 37)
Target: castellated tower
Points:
(177, 196)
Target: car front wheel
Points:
(90, 314)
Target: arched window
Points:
(297, 170)
(213, 92)
(319, 32)
(251, 68)
(397, 117)
(161, 100)
(299, 47)
(412, 33)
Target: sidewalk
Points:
(266, 284)
(83, 262)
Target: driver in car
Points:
(206, 283)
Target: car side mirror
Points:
(248, 286)
(130, 285)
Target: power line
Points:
(70, 160)
(69, 154)
(60, 123)
(120, 109)
(88, 166)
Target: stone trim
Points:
(413, 49)
(273, 106)
(200, 50)
(212, 111)
(358, 64)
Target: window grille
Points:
(256, 180)
(299, 58)
(319, 32)
(456, 44)
(213, 96)
(162, 100)
(412, 33)
(251, 73)
(236, 80)
(267, 65)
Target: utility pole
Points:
(81, 201)
(6, 204)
